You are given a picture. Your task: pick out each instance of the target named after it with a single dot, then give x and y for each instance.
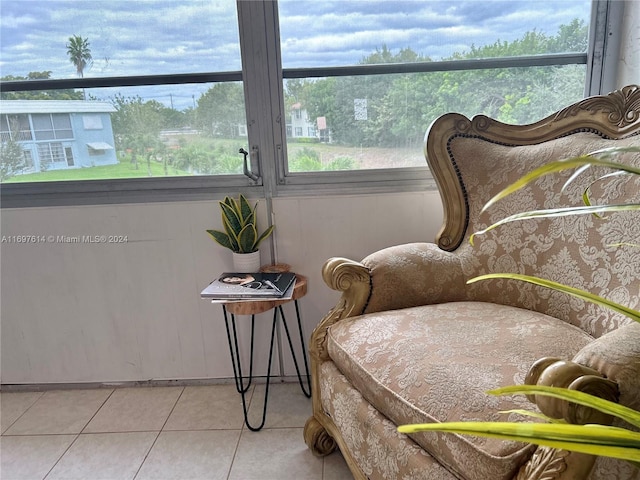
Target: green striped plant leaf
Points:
(597, 158)
(576, 292)
(221, 238)
(264, 235)
(240, 228)
(247, 238)
(246, 212)
(624, 413)
(538, 415)
(557, 212)
(591, 439)
(230, 218)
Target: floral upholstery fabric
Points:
(381, 452)
(434, 363)
(428, 346)
(612, 469)
(414, 274)
(574, 250)
(617, 356)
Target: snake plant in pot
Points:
(601, 440)
(240, 233)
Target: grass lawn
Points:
(120, 170)
(363, 157)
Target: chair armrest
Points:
(608, 367)
(396, 277)
(616, 355)
(353, 280)
(413, 274)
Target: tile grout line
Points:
(243, 428)
(62, 455)
(97, 410)
(155, 440)
(22, 414)
(77, 435)
(235, 451)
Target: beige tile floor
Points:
(149, 433)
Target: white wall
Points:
(101, 312)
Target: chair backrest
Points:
(472, 160)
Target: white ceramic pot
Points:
(246, 262)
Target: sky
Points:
(141, 37)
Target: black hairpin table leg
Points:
(243, 383)
(307, 391)
(242, 388)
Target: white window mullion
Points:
(262, 78)
(604, 46)
(262, 75)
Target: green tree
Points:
(12, 159)
(79, 53)
(136, 128)
(221, 109)
(570, 38)
(66, 94)
(401, 107)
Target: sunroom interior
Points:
(101, 277)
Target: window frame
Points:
(262, 76)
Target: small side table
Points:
(230, 310)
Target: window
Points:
(342, 62)
(92, 122)
(51, 126)
(155, 129)
(51, 155)
(42, 127)
(68, 152)
(15, 127)
(360, 83)
(62, 126)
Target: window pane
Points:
(155, 131)
(151, 131)
(42, 126)
(42, 122)
(334, 33)
(123, 38)
(15, 127)
(62, 126)
(379, 121)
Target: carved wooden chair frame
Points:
(614, 116)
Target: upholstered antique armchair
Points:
(411, 342)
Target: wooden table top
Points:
(259, 306)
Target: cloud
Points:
(144, 37)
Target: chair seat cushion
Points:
(434, 363)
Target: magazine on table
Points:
(233, 285)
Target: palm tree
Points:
(79, 53)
